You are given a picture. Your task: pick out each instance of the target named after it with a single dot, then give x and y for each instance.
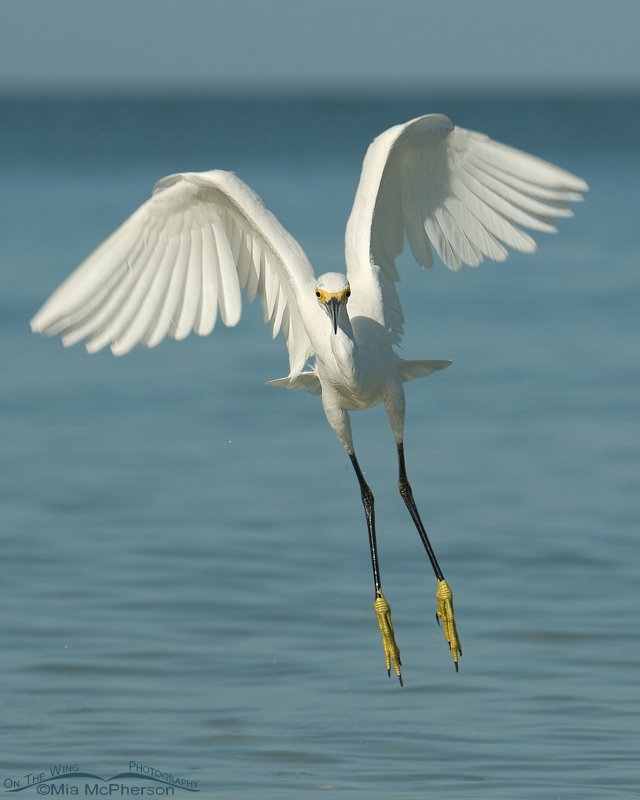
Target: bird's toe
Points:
(391, 650)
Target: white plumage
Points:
(183, 256)
(187, 253)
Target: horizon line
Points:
(198, 92)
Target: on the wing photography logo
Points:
(66, 780)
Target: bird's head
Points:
(333, 291)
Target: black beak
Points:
(334, 308)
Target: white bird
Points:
(203, 237)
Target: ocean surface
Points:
(185, 582)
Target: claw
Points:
(445, 613)
(391, 651)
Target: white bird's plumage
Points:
(185, 253)
(188, 252)
(201, 238)
(449, 188)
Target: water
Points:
(186, 581)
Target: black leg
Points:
(443, 595)
(391, 651)
(367, 502)
(407, 496)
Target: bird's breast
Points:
(359, 373)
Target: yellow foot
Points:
(391, 652)
(445, 613)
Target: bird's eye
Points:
(347, 293)
(318, 293)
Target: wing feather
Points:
(190, 306)
(211, 290)
(447, 188)
(229, 298)
(94, 309)
(182, 256)
(127, 303)
(253, 276)
(175, 294)
(500, 185)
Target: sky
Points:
(263, 46)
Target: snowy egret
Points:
(203, 237)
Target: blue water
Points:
(185, 575)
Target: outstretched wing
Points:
(449, 188)
(184, 254)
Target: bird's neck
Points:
(345, 348)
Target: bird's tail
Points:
(408, 370)
(303, 380)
